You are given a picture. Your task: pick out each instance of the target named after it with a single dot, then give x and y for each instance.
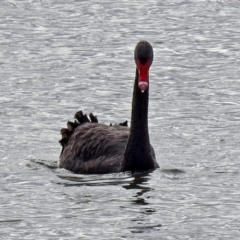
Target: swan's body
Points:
(90, 147)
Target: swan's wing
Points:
(90, 147)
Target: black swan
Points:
(90, 147)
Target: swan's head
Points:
(143, 56)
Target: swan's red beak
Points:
(143, 78)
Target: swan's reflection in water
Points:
(139, 182)
(141, 204)
(144, 201)
(131, 195)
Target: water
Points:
(57, 57)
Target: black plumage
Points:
(90, 147)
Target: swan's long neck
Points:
(137, 155)
(139, 118)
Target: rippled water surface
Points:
(57, 57)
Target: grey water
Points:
(57, 57)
